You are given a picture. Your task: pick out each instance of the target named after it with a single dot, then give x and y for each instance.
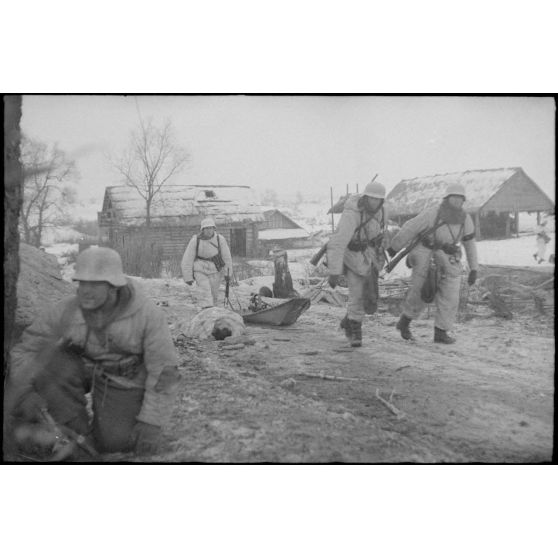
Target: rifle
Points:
(227, 288)
(315, 260)
(419, 238)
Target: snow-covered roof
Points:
(282, 234)
(411, 196)
(173, 204)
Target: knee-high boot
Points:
(356, 337)
(346, 326)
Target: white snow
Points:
(281, 234)
(62, 249)
(513, 251)
(56, 235)
(224, 203)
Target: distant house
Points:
(495, 197)
(176, 214)
(277, 230)
(276, 219)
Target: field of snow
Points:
(513, 251)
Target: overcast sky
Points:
(306, 144)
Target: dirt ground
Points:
(299, 394)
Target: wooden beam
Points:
(477, 226)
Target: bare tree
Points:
(151, 159)
(46, 196)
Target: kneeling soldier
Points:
(108, 340)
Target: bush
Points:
(88, 228)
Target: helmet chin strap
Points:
(364, 205)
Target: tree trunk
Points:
(148, 212)
(39, 235)
(283, 285)
(13, 200)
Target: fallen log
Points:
(232, 347)
(323, 376)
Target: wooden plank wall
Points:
(175, 239)
(519, 193)
(276, 221)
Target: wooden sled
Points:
(283, 314)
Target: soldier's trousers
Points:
(208, 288)
(355, 304)
(447, 294)
(64, 382)
(541, 248)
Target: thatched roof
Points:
(177, 205)
(506, 189)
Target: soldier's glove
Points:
(31, 407)
(168, 379)
(333, 281)
(391, 252)
(189, 283)
(472, 277)
(146, 438)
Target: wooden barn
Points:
(495, 197)
(176, 214)
(276, 219)
(277, 230)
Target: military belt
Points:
(127, 367)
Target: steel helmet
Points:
(207, 222)
(375, 190)
(100, 264)
(455, 190)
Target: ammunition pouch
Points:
(217, 260)
(127, 367)
(430, 285)
(357, 245)
(447, 247)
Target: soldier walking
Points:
(355, 251)
(441, 230)
(206, 260)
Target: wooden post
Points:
(507, 224)
(332, 221)
(517, 224)
(478, 233)
(283, 284)
(538, 217)
(347, 189)
(357, 187)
